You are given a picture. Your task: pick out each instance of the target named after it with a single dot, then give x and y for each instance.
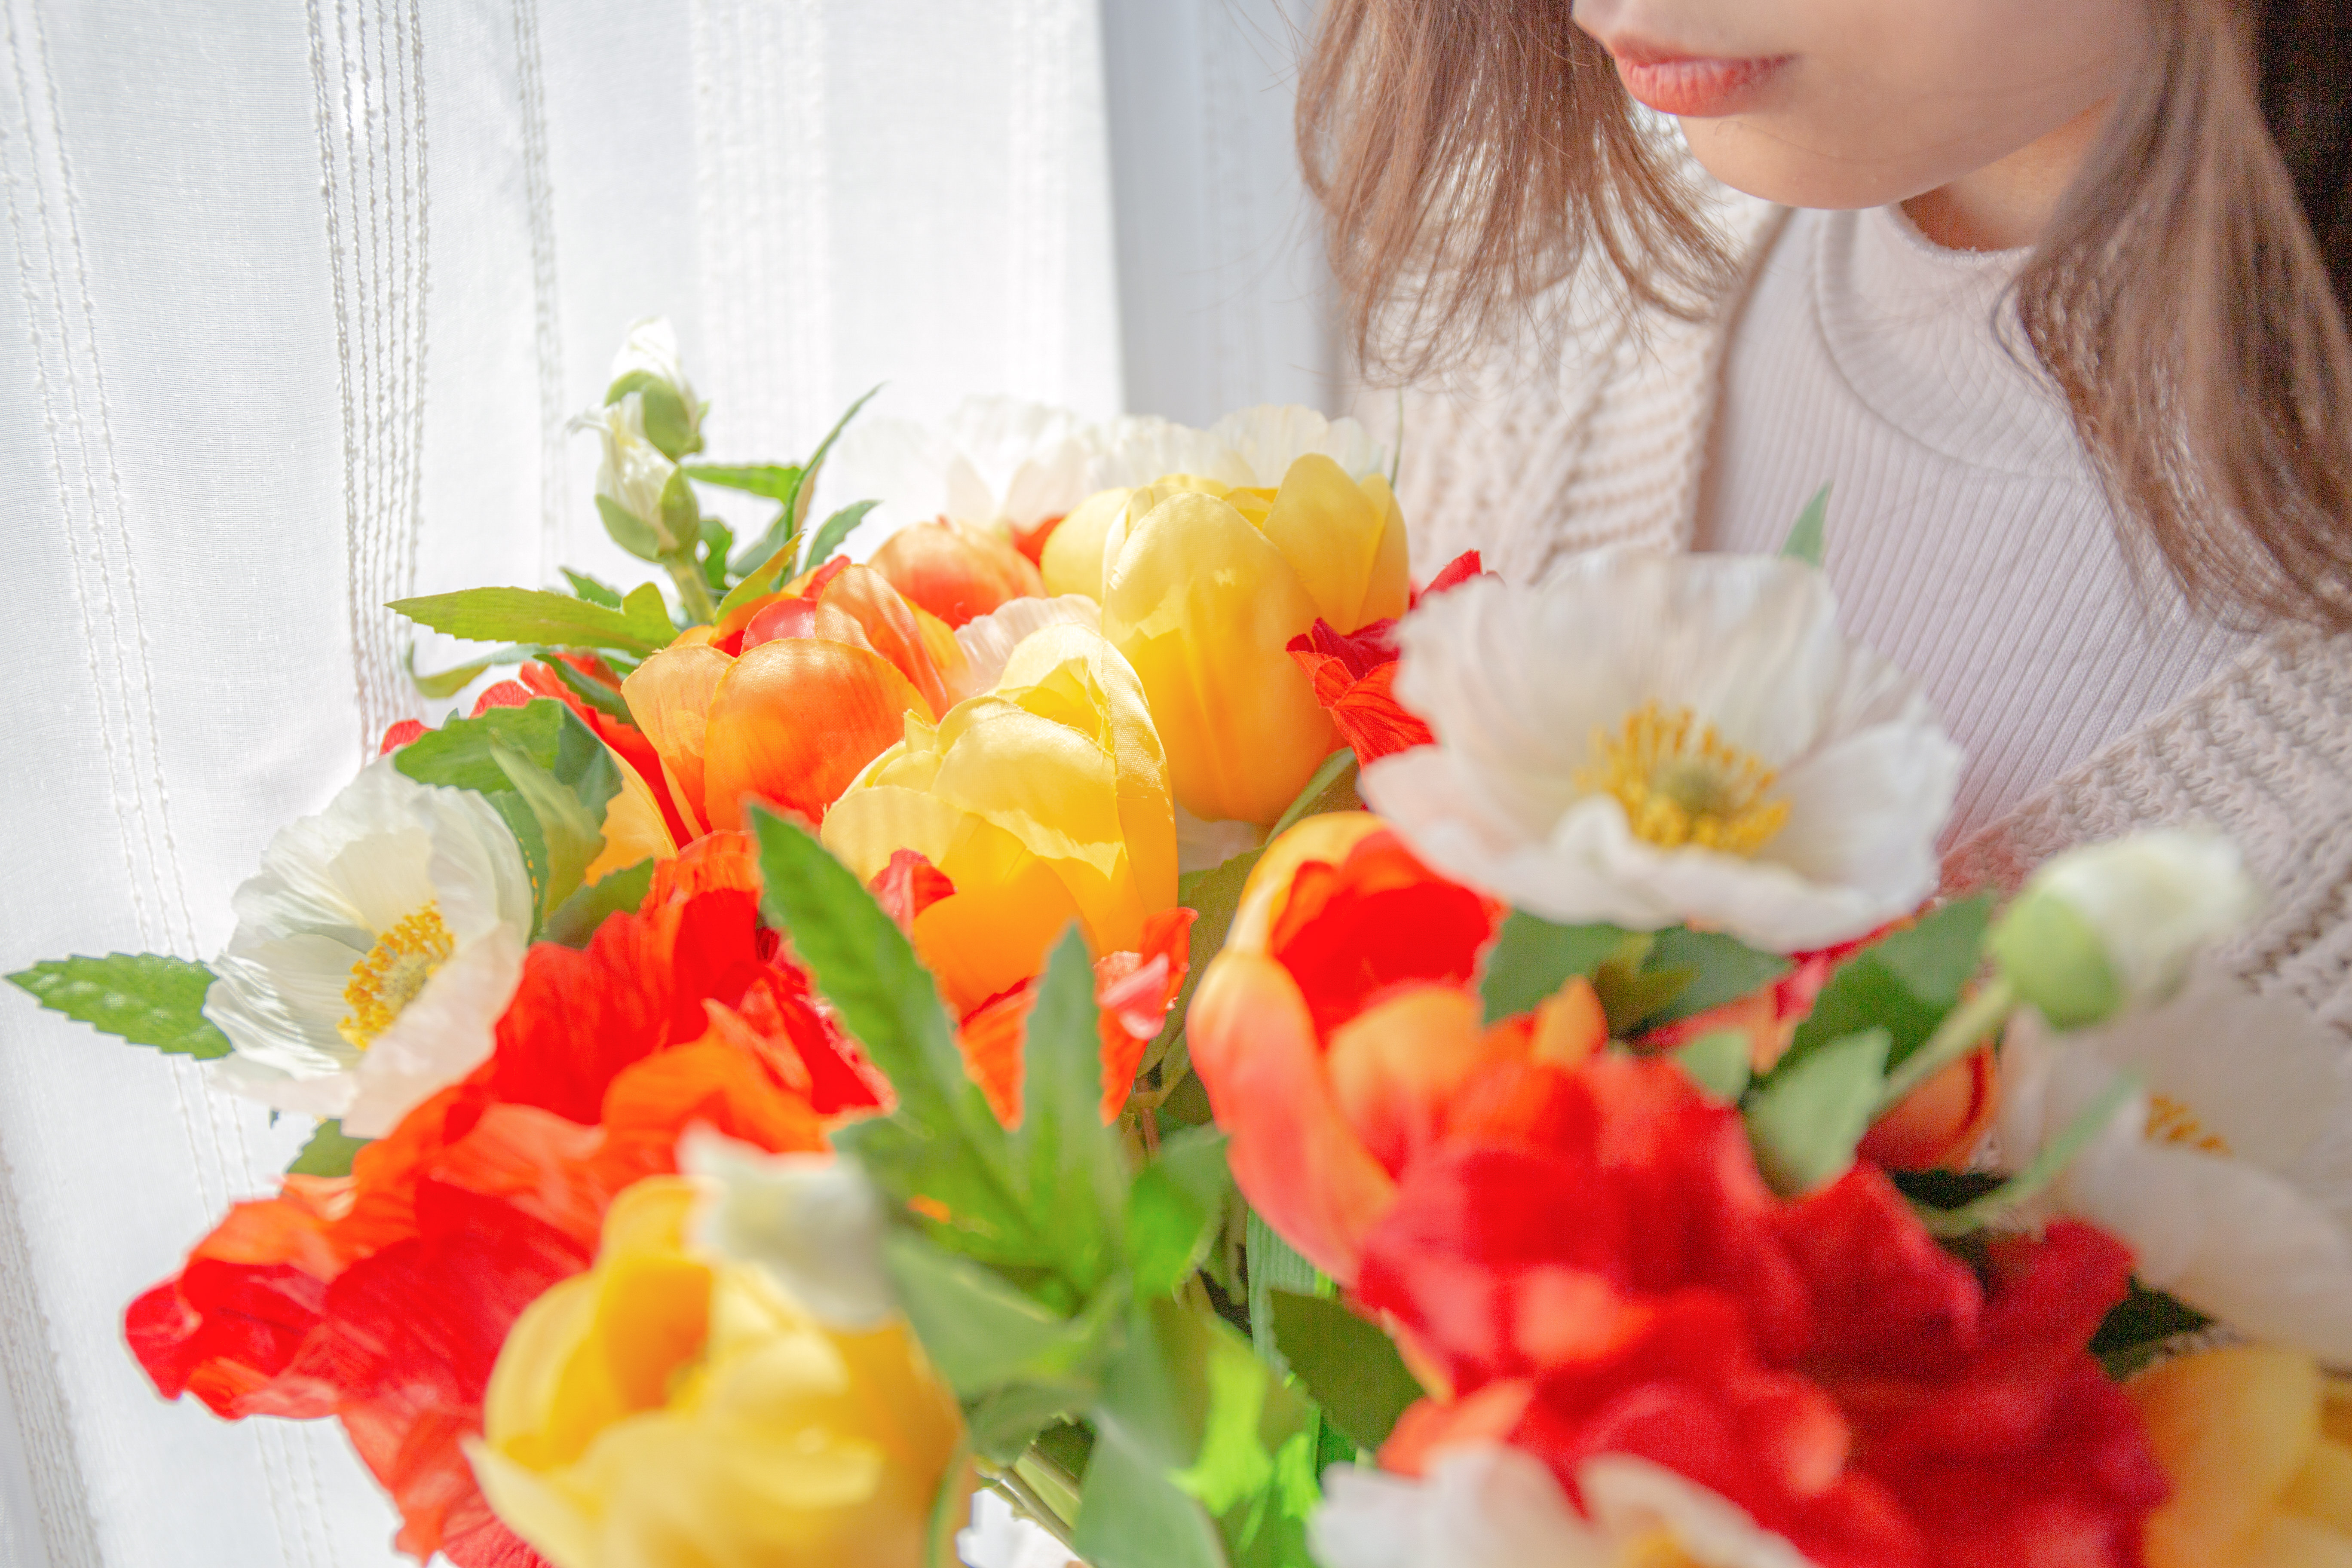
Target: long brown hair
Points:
(2188, 297)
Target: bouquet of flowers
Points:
(824, 1039)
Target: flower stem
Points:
(692, 591)
(1024, 1497)
(1962, 1030)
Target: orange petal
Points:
(1942, 1122)
(956, 571)
(1293, 1153)
(890, 628)
(794, 721)
(1396, 1066)
(991, 1041)
(669, 698)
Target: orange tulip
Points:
(1338, 1036)
(789, 696)
(957, 571)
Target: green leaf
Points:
(593, 590)
(1332, 787)
(572, 832)
(760, 580)
(1349, 1366)
(1130, 1515)
(630, 532)
(1905, 983)
(444, 683)
(718, 539)
(648, 614)
(594, 693)
(532, 616)
(1215, 898)
(1807, 539)
(1805, 1124)
(328, 1152)
(983, 1334)
(576, 919)
(1724, 969)
(2136, 1327)
(836, 529)
(1073, 1172)
(1176, 1209)
(1274, 1266)
(2043, 1170)
(1532, 958)
(777, 481)
(146, 998)
(816, 459)
(1717, 1063)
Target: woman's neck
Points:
(2007, 204)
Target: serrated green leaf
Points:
(983, 1334)
(836, 529)
(329, 1152)
(816, 459)
(760, 580)
(1722, 969)
(648, 614)
(571, 830)
(1071, 1169)
(1532, 958)
(718, 539)
(531, 616)
(1349, 1366)
(576, 919)
(595, 590)
(1176, 1209)
(146, 998)
(1905, 983)
(1274, 1266)
(596, 693)
(458, 754)
(777, 481)
(1807, 539)
(1717, 1063)
(1803, 1126)
(1331, 788)
(2044, 1169)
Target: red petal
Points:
(908, 885)
(399, 735)
(1453, 575)
(505, 694)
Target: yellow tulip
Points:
(667, 1409)
(2254, 1441)
(1202, 587)
(1044, 800)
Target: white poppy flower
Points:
(373, 953)
(1132, 452)
(1650, 740)
(1271, 436)
(991, 462)
(2229, 1172)
(1489, 1507)
(812, 1220)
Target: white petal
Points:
(988, 640)
(813, 1221)
(477, 869)
(1632, 1499)
(1136, 451)
(1864, 812)
(998, 1538)
(1203, 846)
(1479, 1507)
(446, 1032)
(320, 1095)
(1271, 436)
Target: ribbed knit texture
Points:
(1594, 429)
(1969, 539)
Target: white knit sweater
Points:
(1594, 427)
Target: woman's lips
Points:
(1689, 85)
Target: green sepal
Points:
(1803, 1125)
(630, 532)
(593, 589)
(1348, 1365)
(1718, 1063)
(2056, 960)
(329, 1152)
(575, 920)
(681, 517)
(670, 425)
(1331, 788)
(146, 998)
(535, 616)
(1176, 1209)
(1532, 958)
(1905, 984)
(1808, 536)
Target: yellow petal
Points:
(669, 698)
(1008, 909)
(2322, 1490)
(1203, 605)
(2233, 1428)
(874, 822)
(1336, 534)
(633, 827)
(2286, 1541)
(1073, 559)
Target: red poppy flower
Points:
(1616, 1277)
(1355, 675)
(383, 1298)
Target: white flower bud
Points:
(2114, 925)
(648, 366)
(647, 506)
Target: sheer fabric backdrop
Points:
(303, 292)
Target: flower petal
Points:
(669, 697)
(794, 721)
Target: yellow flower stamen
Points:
(393, 972)
(2170, 1120)
(1682, 784)
(1655, 1549)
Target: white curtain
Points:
(303, 291)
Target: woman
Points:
(2050, 292)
